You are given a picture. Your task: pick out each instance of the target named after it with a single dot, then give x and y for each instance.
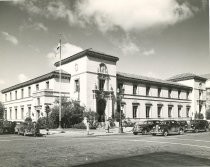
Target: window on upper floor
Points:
(187, 94)
(16, 95)
(29, 91)
(10, 113)
(159, 92)
(37, 87)
(169, 93)
(47, 85)
(103, 68)
(179, 93)
(76, 85)
(134, 89)
(15, 113)
(10, 96)
(120, 86)
(22, 93)
(147, 90)
(38, 101)
(101, 84)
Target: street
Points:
(189, 149)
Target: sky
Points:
(156, 38)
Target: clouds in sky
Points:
(30, 24)
(108, 15)
(2, 82)
(12, 39)
(22, 77)
(148, 52)
(68, 49)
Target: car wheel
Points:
(207, 129)
(196, 130)
(181, 131)
(165, 133)
(144, 132)
(135, 133)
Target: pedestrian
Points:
(107, 126)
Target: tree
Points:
(199, 115)
(71, 113)
(117, 116)
(1, 110)
(208, 114)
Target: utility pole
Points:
(59, 126)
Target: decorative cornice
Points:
(53, 74)
(87, 52)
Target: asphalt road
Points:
(117, 150)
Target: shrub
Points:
(79, 126)
(92, 118)
(128, 123)
(208, 114)
(42, 123)
(28, 119)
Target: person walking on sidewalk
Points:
(107, 126)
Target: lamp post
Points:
(120, 94)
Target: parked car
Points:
(183, 124)
(145, 127)
(167, 127)
(198, 125)
(27, 128)
(7, 126)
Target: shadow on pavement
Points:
(163, 159)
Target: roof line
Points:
(50, 75)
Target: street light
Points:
(120, 94)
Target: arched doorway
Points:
(101, 106)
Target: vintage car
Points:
(198, 125)
(144, 127)
(27, 128)
(183, 124)
(167, 127)
(6, 126)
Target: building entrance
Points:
(101, 106)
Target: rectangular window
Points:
(179, 92)
(16, 95)
(187, 95)
(101, 84)
(147, 111)
(29, 91)
(47, 85)
(37, 87)
(22, 93)
(10, 96)
(134, 89)
(10, 113)
(169, 111)
(77, 85)
(38, 101)
(179, 112)
(135, 111)
(159, 92)
(187, 111)
(29, 111)
(5, 114)
(5, 97)
(22, 113)
(15, 113)
(147, 90)
(120, 86)
(169, 93)
(159, 111)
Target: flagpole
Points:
(59, 127)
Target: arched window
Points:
(103, 68)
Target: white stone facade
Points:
(91, 78)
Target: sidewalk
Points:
(83, 132)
